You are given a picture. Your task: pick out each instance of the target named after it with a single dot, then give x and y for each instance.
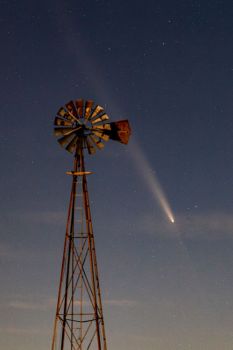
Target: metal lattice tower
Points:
(79, 321)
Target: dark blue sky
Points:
(167, 66)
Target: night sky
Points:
(167, 66)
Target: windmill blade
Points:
(102, 118)
(64, 114)
(101, 135)
(106, 126)
(63, 131)
(61, 122)
(71, 108)
(65, 139)
(91, 149)
(97, 110)
(97, 141)
(88, 107)
(79, 106)
(72, 144)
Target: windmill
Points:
(79, 321)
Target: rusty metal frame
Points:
(79, 330)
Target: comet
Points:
(141, 162)
(151, 180)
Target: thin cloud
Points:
(9, 253)
(44, 217)
(121, 302)
(23, 331)
(209, 225)
(51, 302)
(43, 305)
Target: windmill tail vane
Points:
(79, 322)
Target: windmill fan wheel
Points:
(83, 125)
